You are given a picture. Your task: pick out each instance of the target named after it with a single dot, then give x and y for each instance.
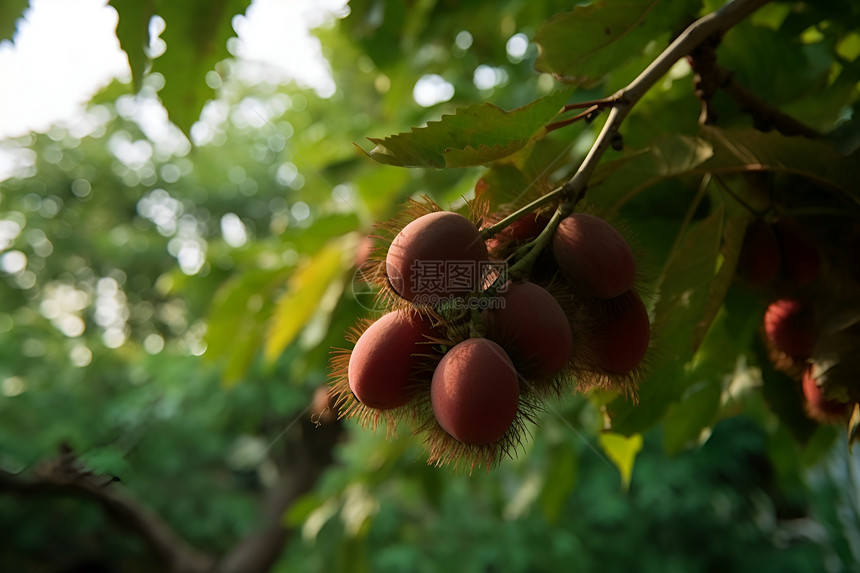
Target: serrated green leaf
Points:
(622, 450)
(305, 292)
(474, 135)
(10, 11)
(196, 34)
(590, 41)
(738, 150)
(132, 31)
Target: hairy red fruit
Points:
(532, 327)
(789, 325)
(475, 392)
(416, 260)
(594, 256)
(620, 340)
(384, 362)
(759, 261)
(801, 261)
(818, 406)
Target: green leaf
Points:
(590, 41)
(10, 11)
(196, 35)
(474, 135)
(132, 31)
(622, 179)
(306, 290)
(559, 481)
(705, 379)
(108, 462)
(684, 291)
(622, 451)
(739, 150)
(733, 238)
(237, 319)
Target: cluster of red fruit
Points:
(781, 258)
(467, 356)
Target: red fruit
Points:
(527, 227)
(475, 392)
(817, 406)
(436, 255)
(801, 261)
(790, 326)
(531, 326)
(383, 363)
(759, 261)
(593, 256)
(619, 342)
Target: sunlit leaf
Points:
(237, 320)
(196, 35)
(10, 11)
(132, 31)
(306, 290)
(622, 451)
(588, 42)
(474, 135)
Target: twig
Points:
(709, 26)
(699, 31)
(765, 115)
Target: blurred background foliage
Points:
(171, 293)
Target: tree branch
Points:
(765, 115)
(717, 22)
(308, 449)
(65, 476)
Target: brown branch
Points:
(307, 448)
(64, 476)
(715, 23)
(766, 116)
(710, 76)
(309, 453)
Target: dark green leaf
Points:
(132, 31)
(588, 42)
(738, 150)
(475, 135)
(616, 182)
(684, 290)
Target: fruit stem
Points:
(490, 232)
(533, 249)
